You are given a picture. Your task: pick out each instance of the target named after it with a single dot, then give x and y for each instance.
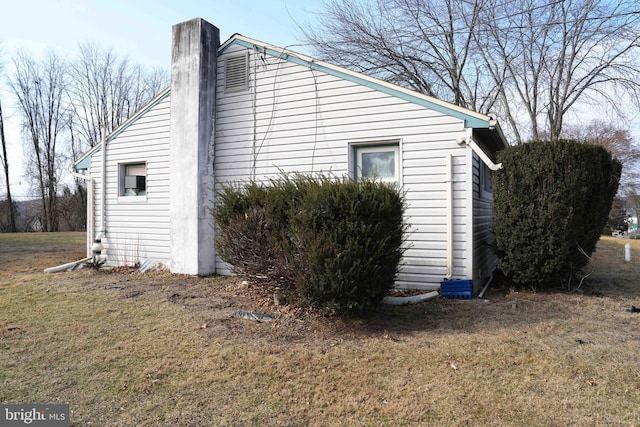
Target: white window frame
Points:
(131, 168)
(383, 146)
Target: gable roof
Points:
(488, 126)
(471, 118)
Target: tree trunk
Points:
(5, 164)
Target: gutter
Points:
(70, 266)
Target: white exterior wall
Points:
(137, 227)
(296, 119)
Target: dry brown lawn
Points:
(124, 348)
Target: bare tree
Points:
(425, 45)
(561, 53)
(11, 226)
(531, 62)
(4, 161)
(618, 141)
(40, 88)
(105, 90)
(632, 199)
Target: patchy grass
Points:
(609, 273)
(130, 349)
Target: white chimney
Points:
(193, 92)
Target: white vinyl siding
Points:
(308, 121)
(137, 227)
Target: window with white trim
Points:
(133, 179)
(378, 162)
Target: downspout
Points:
(449, 214)
(103, 191)
(468, 139)
(90, 209)
(97, 243)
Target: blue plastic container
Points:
(457, 289)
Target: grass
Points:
(130, 349)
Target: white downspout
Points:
(449, 214)
(468, 139)
(103, 190)
(96, 248)
(90, 210)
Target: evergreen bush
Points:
(349, 242)
(337, 242)
(551, 203)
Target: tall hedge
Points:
(338, 243)
(551, 202)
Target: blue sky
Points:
(141, 29)
(137, 29)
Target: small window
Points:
(236, 73)
(378, 162)
(485, 180)
(133, 180)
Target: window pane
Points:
(378, 164)
(133, 179)
(136, 170)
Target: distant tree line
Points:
(66, 106)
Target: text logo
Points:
(34, 415)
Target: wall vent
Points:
(236, 73)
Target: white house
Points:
(248, 110)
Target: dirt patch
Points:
(216, 304)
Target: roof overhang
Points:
(491, 138)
